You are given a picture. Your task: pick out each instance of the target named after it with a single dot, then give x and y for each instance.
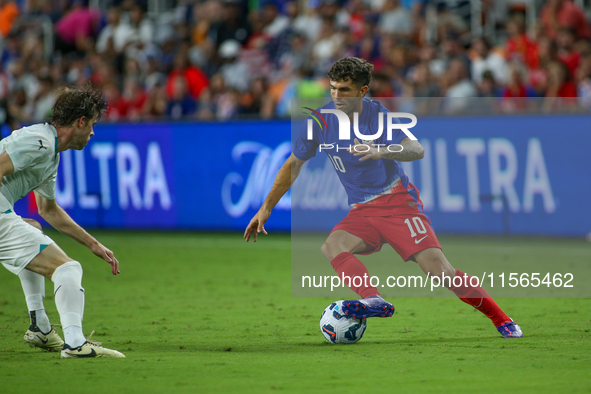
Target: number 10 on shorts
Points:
(418, 225)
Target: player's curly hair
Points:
(354, 68)
(73, 103)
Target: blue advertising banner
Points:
(518, 174)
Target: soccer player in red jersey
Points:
(385, 206)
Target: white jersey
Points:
(33, 152)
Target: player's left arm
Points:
(409, 150)
(6, 166)
(61, 221)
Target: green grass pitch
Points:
(208, 313)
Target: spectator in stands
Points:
(115, 35)
(424, 86)
(228, 105)
(449, 24)
(428, 54)
(516, 85)
(515, 92)
(135, 98)
(181, 104)
(8, 13)
(117, 109)
(43, 101)
(141, 33)
(7, 121)
(102, 72)
(547, 53)
(560, 83)
(21, 77)
(381, 86)
(132, 69)
(457, 86)
(407, 102)
(17, 107)
(275, 23)
(352, 16)
(204, 15)
(153, 74)
(519, 47)
(258, 38)
(399, 63)
(299, 51)
(369, 46)
(308, 23)
(488, 60)
(157, 103)
(452, 48)
(487, 87)
(193, 78)
(561, 91)
(395, 19)
(325, 50)
(308, 86)
(219, 102)
(11, 50)
(564, 13)
(567, 54)
(76, 31)
(232, 27)
(258, 101)
(51, 9)
(236, 73)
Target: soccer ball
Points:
(338, 328)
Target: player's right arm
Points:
(285, 177)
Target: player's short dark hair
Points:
(73, 103)
(356, 69)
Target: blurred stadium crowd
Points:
(217, 60)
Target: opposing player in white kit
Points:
(29, 158)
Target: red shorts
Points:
(395, 220)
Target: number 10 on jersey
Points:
(418, 225)
(337, 162)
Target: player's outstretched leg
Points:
(40, 334)
(433, 262)
(69, 299)
(479, 298)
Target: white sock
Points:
(69, 299)
(34, 288)
(39, 318)
(74, 336)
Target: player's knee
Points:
(34, 223)
(71, 270)
(332, 247)
(327, 250)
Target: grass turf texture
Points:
(196, 312)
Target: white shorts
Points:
(19, 242)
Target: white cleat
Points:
(51, 342)
(90, 350)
